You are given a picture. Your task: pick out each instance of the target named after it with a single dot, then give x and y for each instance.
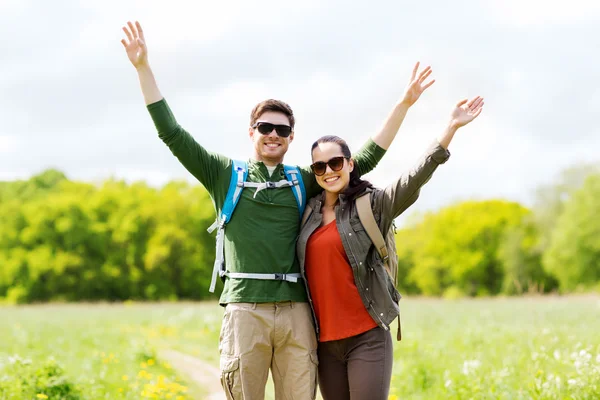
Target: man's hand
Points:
(136, 49)
(135, 45)
(417, 85)
(466, 112)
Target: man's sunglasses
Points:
(265, 128)
(335, 163)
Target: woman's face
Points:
(325, 156)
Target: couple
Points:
(303, 301)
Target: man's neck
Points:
(267, 162)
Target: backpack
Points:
(239, 174)
(385, 247)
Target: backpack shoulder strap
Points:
(239, 173)
(367, 219)
(292, 173)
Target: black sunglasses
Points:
(265, 128)
(335, 163)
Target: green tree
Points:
(520, 253)
(457, 248)
(574, 252)
(64, 240)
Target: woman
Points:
(353, 298)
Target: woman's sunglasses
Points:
(335, 163)
(265, 128)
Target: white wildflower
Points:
(585, 355)
(448, 383)
(470, 366)
(556, 355)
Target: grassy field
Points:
(540, 348)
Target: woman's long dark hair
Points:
(356, 186)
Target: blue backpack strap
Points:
(239, 173)
(292, 173)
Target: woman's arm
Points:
(401, 194)
(461, 116)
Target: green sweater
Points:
(261, 235)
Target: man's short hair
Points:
(274, 106)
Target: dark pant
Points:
(356, 368)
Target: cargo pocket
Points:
(230, 378)
(314, 364)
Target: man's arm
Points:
(137, 52)
(364, 159)
(202, 164)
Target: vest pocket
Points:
(230, 377)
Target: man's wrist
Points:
(403, 104)
(143, 68)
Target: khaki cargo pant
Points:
(256, 337)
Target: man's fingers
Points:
(133, 30)
(128, 34)
(124, 43)
(140, 31)
(461, 103)
(423, 77)
(426, 70)
(477, 113)
(414, 73)
(429, 84)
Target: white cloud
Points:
(543, 12)
(8, 143)
(69, 95)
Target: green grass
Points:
(540, 348)
(92, 352)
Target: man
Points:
(267, 322)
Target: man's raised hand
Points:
(135, 45)
(417, 85)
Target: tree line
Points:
(63, 240)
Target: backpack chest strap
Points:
(267, 185)
(237, 183)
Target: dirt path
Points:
(202, 373)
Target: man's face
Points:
(270, 147)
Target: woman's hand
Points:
(466, 111)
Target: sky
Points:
(70, 99)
